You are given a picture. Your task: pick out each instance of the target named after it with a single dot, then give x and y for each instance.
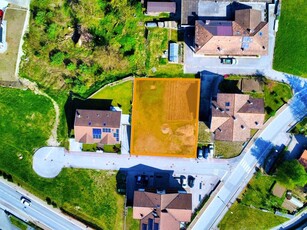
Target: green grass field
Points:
(121, 94)
(275, 95)
(240, 217)
(259, 193)
(290, 54)
(228, 149)
(26, 120)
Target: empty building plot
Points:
(165, 117)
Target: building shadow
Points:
(145, 178)
(209, 88)
(74, 103)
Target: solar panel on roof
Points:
(156, 226)
(150, 224)
(96, 133)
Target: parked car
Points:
(211, 150)
(206, 152)
(191, 181)
(183, 180)
(200, 153)
(229, 61)
(25, 201)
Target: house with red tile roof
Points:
(247, 35)
(303, 159)
(97, 126)
(234, 115)
(162, 211)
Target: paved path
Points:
(49, 161)
(214, 211)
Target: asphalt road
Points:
(253, 156)
(37, 213)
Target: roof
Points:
(248, 19)
(246, 36)
(303, 159)
(234, 115)
(97, 118)
(164, 211)
(173, 52)
(278, 190)
(97, 126)
(160, 7)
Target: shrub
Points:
(57, 58)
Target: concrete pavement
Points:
(49, 161)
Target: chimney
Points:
(219, 129)
(242, 127)
(256, 122)
(234, 118)
(207, 22)
(249, 102)
(78, 114)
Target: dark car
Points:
(191, 181)
(229, 61)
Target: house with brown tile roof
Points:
(97, 126)
(247, 35)
(234, 115)
(303, 159)
(162, 211)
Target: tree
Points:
(58, 58)
(291, 174)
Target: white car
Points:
(183, 181)
(25, 201)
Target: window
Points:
(97, 133)
(227, 103)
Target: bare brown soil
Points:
(165, 117)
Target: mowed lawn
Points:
(291, 42)
(121, 95)
(245, 218)
(25, 123)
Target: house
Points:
(162, 211)
(97, 126)
(278, 190)
(234, 115)
(247, 35)
(155, 8)
(303, 159)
